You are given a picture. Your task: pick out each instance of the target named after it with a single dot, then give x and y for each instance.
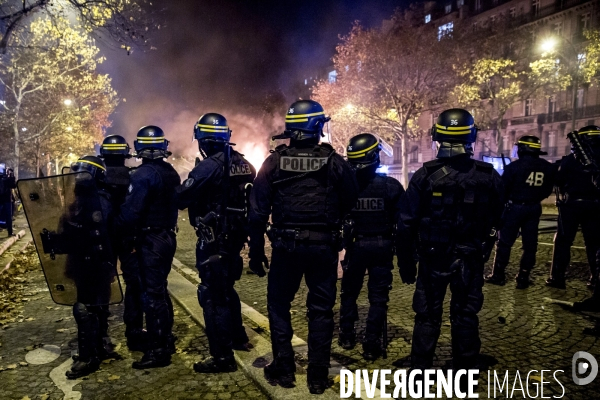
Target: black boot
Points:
(371, 350)
(556, 283)
(347, 339)
(156, 358)
(276, 375)
(495, 279)
(243, 346)
(171, 339)
(213, 365)
(137, 340)
(317, 379)
(522, 279)
(83, 368)
(106, 350)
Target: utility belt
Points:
(283, 238)
(380, 241)
(570, 199)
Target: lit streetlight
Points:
(67, 102)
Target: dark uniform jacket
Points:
(6, 184)
(150, 201)
(574, 182)
(312, 187)
(528, 180)
(442, 211)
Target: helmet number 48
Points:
(535, 179)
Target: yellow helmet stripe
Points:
(92, 163)
(590, 133)
(226, 128)
(445, 132)
(534, 145)
(213, 130)
(147, 140)
(453, 128)
(115, 145)
(297, 120)
(359, 153)
(288, 116)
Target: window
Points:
(477, 5)
(551, 104)
(535, 7)
(460, 3)
(512, 12)
(579, 98)
(428, 18)
(332, 76)
(585, 21)
(306, 81)
(445, 30)
(529, 107)
(558, 28)
(448, 8)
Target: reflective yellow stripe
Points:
(115, 146)
(149, 140)
(445, 132)
(213, 130)
(226, 128)
(453, 128)
(590, 133)
(92, 163)
(534, 145)
(304, 115)
(296, 120)
(356, 154)
(437, 194)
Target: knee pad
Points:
(80, 313)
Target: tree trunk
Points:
(16, 147)
(37, 159)
(404, 157)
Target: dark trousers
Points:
(572, 215)
(92, 327)
(155, 251)
(220, 302)
(6, 214)
(525, 218)
(318, 264)
(133, 314)
(363, 256)
(465, 277)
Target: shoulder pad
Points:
(483, 166)
(433, 163)
(280, 148)
(327, 146)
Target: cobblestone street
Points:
(520, 330)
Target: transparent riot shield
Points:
(69, 229)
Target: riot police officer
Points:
(449, 209)
(215, 195)
(93, 288)
(149, 218)
(7, 184)
(527, 182)
(308, 189)
(369, 245)
(114, 151)
(578, 204)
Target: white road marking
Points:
(43, 355)
(66, 385)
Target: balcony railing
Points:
(559, 116)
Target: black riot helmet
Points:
(304, 120)
(115, 146)
(92, 164)
(363, 151)
(151, 143)
(591, 133)
(212, 132)
(528, 144)
(455, 131)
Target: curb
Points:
(252, 362)
(11, 240)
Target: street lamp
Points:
(67, 102)
(548, 45)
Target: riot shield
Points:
(69, 229)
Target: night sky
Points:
(222, 55)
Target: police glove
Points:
(408, 272)
(258, 264)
